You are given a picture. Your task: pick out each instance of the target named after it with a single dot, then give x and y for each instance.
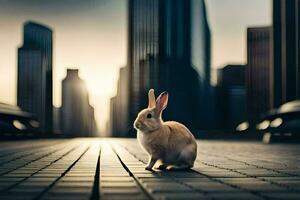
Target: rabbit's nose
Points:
(137, 124)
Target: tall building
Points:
(143, 42)
(77, 115)
(286, 48)
(92, 124)
(56, 120)
(201, 60)
(169, 49)
(119, 125)
(113, 118)
(35, 74)
(258, 70)
(231, 101)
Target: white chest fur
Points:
(144, 141)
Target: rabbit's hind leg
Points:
(187, 156)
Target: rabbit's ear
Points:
(162, 101)
(151, 99)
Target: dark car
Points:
(15, 122)
(282, 123)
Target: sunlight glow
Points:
(101, 85)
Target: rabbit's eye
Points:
(149, 115)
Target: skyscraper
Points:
(286, 48)
(77, 116)
(258, 71)
(113, 118)
(143, 41)
(169, 49)
(232, 96)
(119, 125)
(201, 60)
(35, 74)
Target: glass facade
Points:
(144, 33)
(286, 48)
(258, 71)
(169, 49)
(201, 41)
(35, 74)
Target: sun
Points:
(100, 86)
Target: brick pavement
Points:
(114, 169)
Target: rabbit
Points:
(169, 142)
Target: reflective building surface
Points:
(201, 61)
(35, 74)
(258, 72)
(169, 50)
(286, 51)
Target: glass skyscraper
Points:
(286, 47)
(169, 49)
(35, 74)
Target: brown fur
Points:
(170, 142)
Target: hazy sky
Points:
(228, 21)
(88, 34)
(91, 35)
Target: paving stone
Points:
(28, 189)
(222, 174)
(16, 196)
(171, 196)
(282, 195)
(212, 187)
(234, 195)
(121, 190)
(238, 180)
(124, 196)
(175, 187)
(118, 184)
(261, 172)
(116, 179)
(191, 180)
(291, 171)
(74, 184)
(66, 195)
(36, 183)
(260, 186)
(157, 180)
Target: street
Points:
(92, 168)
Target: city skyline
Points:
(92, 71)
(149, 99)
